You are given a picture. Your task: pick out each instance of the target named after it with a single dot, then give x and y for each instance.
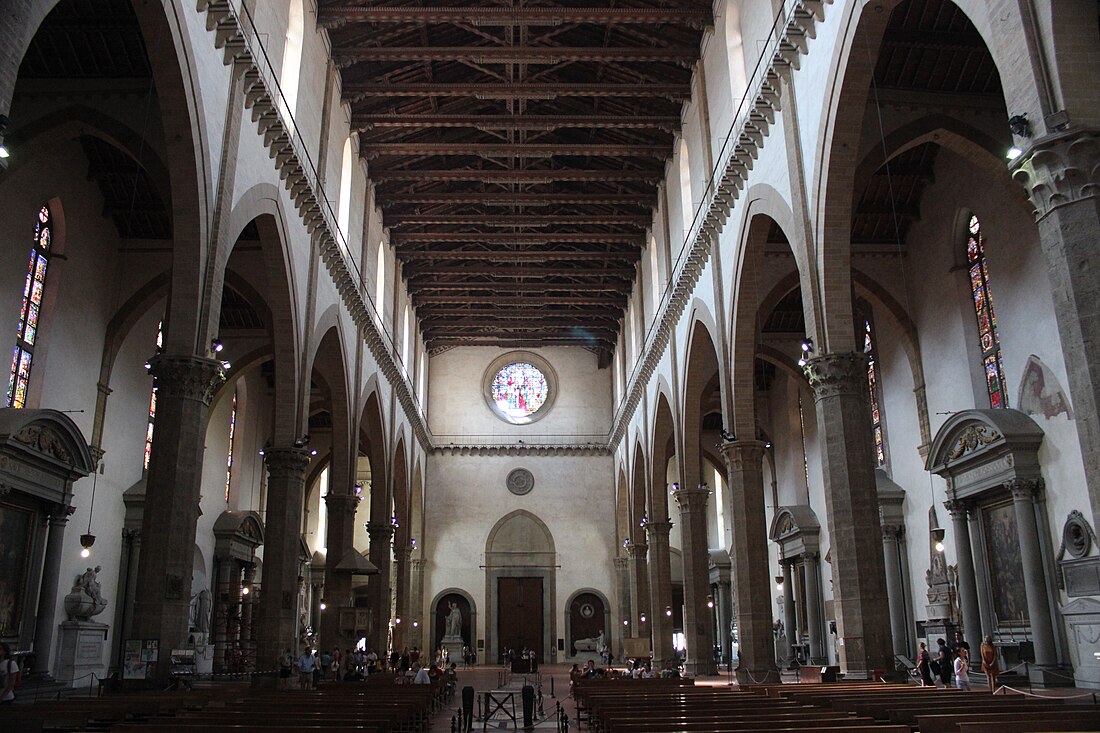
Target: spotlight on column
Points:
(668, 610)
(710, 601)
(397, 620)
(245, 589)
(313, 452)
(416, 624)
(645, 521)
(1019, 125)
(358, 489)
(323, 604)
(216, 345)
(86, 542)
(4, 152)
(807, 349)
(642, 617)
(937, 539)
(674, 488)
(626, 622)
(226, 365)
(1014, 153)
(779, 582)
(626, 542)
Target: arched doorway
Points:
(441, 632)
(520, 563)
(587, 617)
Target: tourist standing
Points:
(943, 659)
(924, 666)
(989, 663)
(962, 670)
(306, 664)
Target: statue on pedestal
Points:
(201, 604)
(85, 599)
(454, 622)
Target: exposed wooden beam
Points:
(430, 300)
(517, 220)
(516, 176)
(510, 90)
(422, 269)
(397, 238)
(505, 198)
(506, 320)
(501, 289)
(371, 150)
(364, 121)
(440, 342)
(543, 55)
(533, 312)
(335, 16)
(525, 256)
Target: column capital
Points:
(893, 531)
(620, 563)
(692, 500)
(379, 531)
(402, 553)
(346, 503)
(637, 550)
(60, 513)
(1060, 169)
(286, 462)
(811, 556)
(741, 454)
(1024, 489)
(658, 531)
(957, 508)
(832, 375)
(187, 377)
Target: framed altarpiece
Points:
(1001, 537)
(42, 452)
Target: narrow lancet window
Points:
(992, 359)
(33, 289)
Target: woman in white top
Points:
(9, 668)
(962, 670)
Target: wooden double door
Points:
(520, 615)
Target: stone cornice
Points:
(740, 152)
(526, 449)
(300, 179)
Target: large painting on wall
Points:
(15, 545)
(1005, 567)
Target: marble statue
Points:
(201, 606)
(454, 621)
(85, 599)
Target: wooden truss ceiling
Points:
(516, 151)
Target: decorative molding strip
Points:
(514, 449)
(742, 148)
(300, 179)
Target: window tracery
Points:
(33, 289)
(990, 342)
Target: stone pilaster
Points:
(401, 572)
(698, 624)
(790, 621)
(340, 541)
(378, 588)
(278, 629)
(895, 591)
(860, 601)
(637, 564)
(968, 586)
(1031, 557)
(660, 591)
(749, 557)
(815, 610)
(185, 386)
(1061, 174)
(47, 595)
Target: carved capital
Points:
(893, 532)
(286, 463)
(957, 508)
(741, 455)
(1060, 169)
(59, 514)
(187, 377)
(637, 550)
(1024, 489)
(692, 500)
(379, 531)
(658, 531)
(341, 504)
(834, 375)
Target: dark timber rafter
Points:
(516, 152)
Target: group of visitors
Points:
(952, 664)
(407, 666)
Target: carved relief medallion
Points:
(520, 481)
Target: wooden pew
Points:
(1010, 722)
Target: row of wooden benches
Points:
(664, 706)
(335, 708)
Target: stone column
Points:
(981, 577)
(895, 591)
(839, 382)
(815, 610)
(968, 588)
(340, 541)
(378, 589)
(278, 627)
(223, 593)
(185, 386)
(1061, 173)
(1031, 556)
(247, 604)
(639, 588)
(724, 603)
(660, 591)
(749, 557)
(698, 624)
(401, 571)
(790, 621)
(416, 605)
(622, 594)
(47, 595)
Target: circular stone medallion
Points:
(520, 481)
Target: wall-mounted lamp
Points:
(641, 617)
(626, 542)
(302, 442)
(245, 589)
(416, 624)
(645, 521)
(807, 347)
(1014, 153)
(216, 345)
(323, 604)
(397, 620)
(710, 601)
(1019, 125)
(779, 582)
(626, 622)
(937, 539)
(668, 610)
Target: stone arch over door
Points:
(520, 545)
(797, 531)
(440, 607)
(583, 624)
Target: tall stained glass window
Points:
(152, 404)
(520, 389)
(992, 360)
(875, 390)
(229, 457)
(33, 287)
